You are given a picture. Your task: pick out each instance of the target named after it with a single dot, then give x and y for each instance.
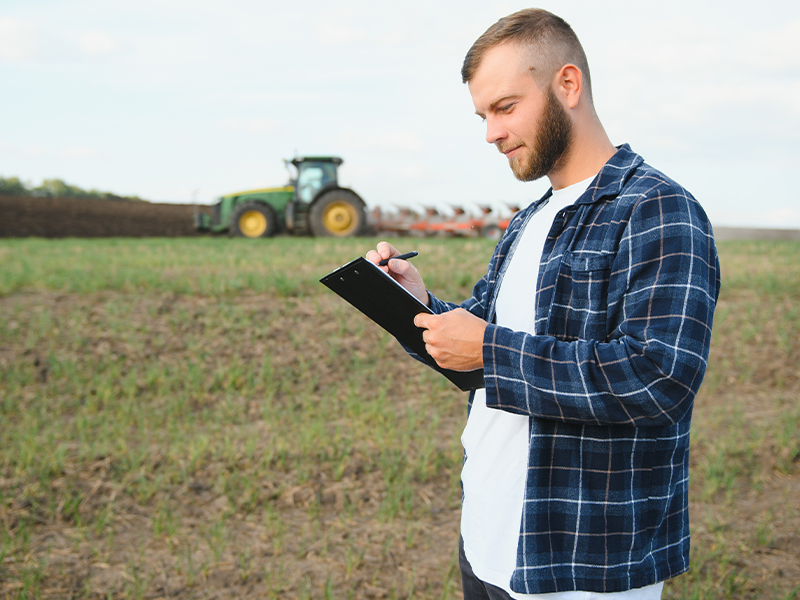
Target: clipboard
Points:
(390, 305)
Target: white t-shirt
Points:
(496, 442)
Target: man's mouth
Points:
(510, 150)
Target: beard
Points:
(551, 145)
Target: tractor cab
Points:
(314, 173)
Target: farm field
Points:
(200, 418)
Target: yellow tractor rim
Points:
(340, 218)
(252, 224)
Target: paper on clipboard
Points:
(390, 305)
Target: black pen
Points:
(405, 256)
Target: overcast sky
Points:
(175, 100)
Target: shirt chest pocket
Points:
(580, 298)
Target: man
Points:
(592, 327)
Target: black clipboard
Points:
(390, 305)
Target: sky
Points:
(183, 101)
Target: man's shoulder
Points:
(631, 190)
(656, 202)
(647, 180)
(628, 178)
(646, 188)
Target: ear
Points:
(569, 85)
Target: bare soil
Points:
(78, 217)
(75, 217)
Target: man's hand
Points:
(453, 339)
(401, 271)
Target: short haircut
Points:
(549, 39)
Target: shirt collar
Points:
(613, 176)
(608, 182)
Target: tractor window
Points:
(313, 177)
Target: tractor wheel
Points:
(492, 232)
(338, 213)
(253, 220)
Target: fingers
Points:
(386, 250)
(401, 267)
(453, 339)
(402, 271)
(422, 321)
(382, 251)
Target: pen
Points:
(405, 256)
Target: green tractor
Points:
(312, 202)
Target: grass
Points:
(187, 415)
(212, 267)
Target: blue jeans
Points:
(474, 588)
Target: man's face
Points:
(528, 125)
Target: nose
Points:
(495, 132)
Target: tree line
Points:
(54, 188)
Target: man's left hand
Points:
(453, 339)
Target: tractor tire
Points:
(253, 220)
(338, 213)
(492, 232)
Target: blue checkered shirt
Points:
(627, 286)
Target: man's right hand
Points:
(402, 271)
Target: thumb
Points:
(421, 320)
(401, 267)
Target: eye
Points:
(506, 107)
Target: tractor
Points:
(311, 203)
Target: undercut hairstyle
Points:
(548, 40)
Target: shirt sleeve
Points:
(663, 287)
(476, 304)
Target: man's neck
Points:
(587, 155)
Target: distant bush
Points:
(12, 187)
(54, 188)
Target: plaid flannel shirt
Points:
(627, 286)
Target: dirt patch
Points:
(80, 217)
(75, 217)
